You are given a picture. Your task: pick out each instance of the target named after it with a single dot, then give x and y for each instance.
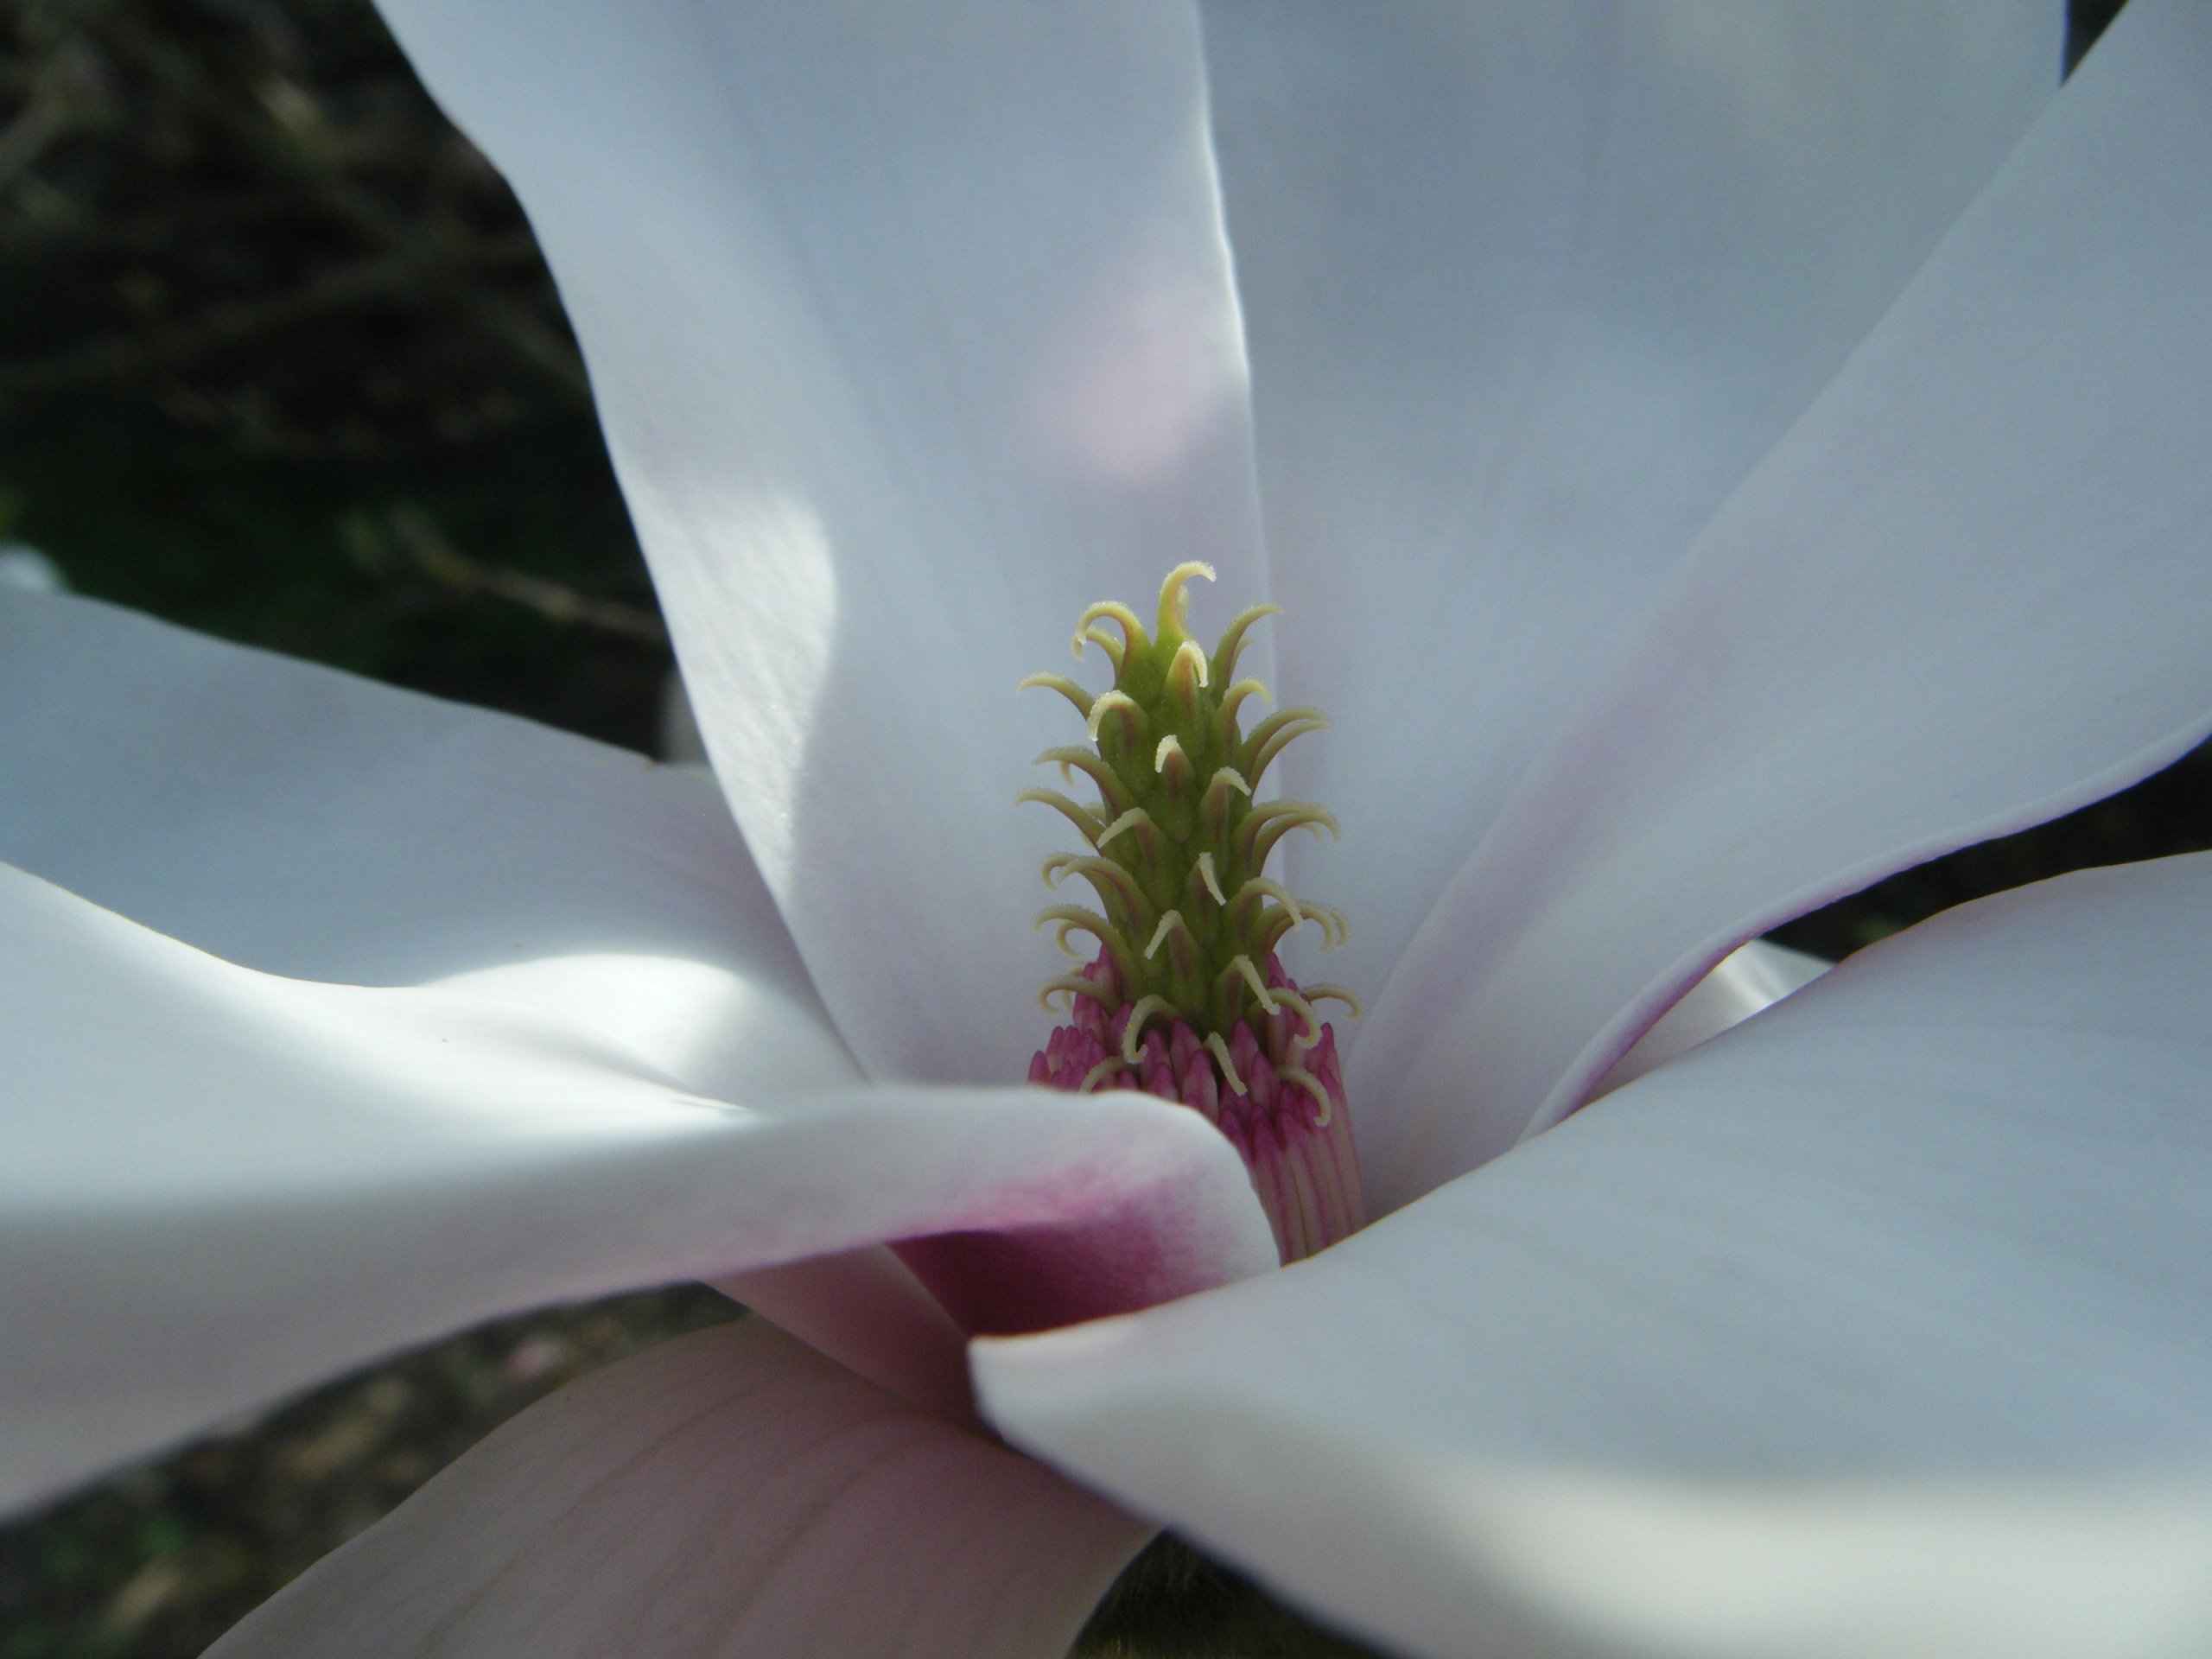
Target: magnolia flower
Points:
(1705, 459)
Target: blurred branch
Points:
(440, 247)
(235, 323)
(415, 536)
(64, 92)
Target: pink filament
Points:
(1300, 1155)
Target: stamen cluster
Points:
(1185, 997)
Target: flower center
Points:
(1185, 998)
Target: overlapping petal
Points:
(1528, 289)
(320, 826)
(217, 1184)
(1970, 590)
(727, 1494)
(912, 333)
(1880, 1324)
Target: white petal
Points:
(1755, 977)
(323, 827)
(1880, 1323)
(1528, 289)
(912, 333)
(216, 1185)
(727, 1496)
(1971, 590)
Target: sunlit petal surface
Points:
(1530, 288)
(1877, 1325)
(912, 332)
(1969, 591)
(318, 826)
(217, 1186)
(727, 1496)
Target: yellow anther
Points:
(1174, 603)
(1098, 1074)
(1212, 881)
(1219, 1050)
(1066, 687)
(1145, 1006)
(1312, 1085)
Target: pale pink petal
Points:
(320, 826)
(865, 1309)
(1755, 977)
(912, 333)
(1877, 1325)
(729, 1495)
(1969, 591)
(217, 1186)
(1528, 289)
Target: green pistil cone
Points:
(1177, 847)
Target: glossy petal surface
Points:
(1529, 289)
(911, 333)
(729, 1495)
(1878, 1324)
(217, 1186)
(1969, 591)
(318, 826)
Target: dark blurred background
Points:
(279, 361)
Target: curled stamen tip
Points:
(1145, 1008)
(1188, 652)
(1174, 603)
(1106, 701)
(1312, 1085)
(1169, 744)
(1333, 993)
(1206, 875)
(1247, 687)
(1059, 683)
(1243, 964)
(1128, 820)
(1168, 924)
(1219, 1050)
(1098, 1074)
